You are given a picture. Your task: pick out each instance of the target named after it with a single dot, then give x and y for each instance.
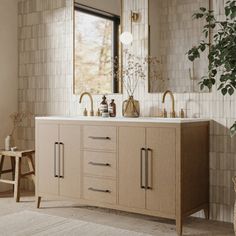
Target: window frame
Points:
(115, 38)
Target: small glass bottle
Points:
(112, 108)
(104, 105)
(181, 114)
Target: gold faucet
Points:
(91, 102)
(172, 114)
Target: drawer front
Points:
(99, 137)
(100, 190)
(99, 164)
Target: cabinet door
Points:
(131, 140)
(161, 170)
(70, 161)
(46, 161)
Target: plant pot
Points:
(130, 108)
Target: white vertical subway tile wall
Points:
(45, 44)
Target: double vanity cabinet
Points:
(152, 166)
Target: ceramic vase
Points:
(8, 143)
(130, 107)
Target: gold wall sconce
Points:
(126, 37)
(134, 16)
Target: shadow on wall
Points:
(222, 170)
(192, 108)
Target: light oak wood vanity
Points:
(152, 166)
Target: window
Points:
(96, 43)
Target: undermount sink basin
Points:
(125, 119)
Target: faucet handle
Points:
(164, 113)
(85, 112)
(172, 114)
(98, 113)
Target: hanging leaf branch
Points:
(222, 50)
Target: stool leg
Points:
(38, 201)
(13, 169)
(1, 164)
(31, 166)
(17, 179)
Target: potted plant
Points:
(222, 50)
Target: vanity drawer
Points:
(100, 190)
(99, 164)
(99, 137)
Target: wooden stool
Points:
(16, 159)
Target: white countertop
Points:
(124, 119)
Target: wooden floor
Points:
(134, 222)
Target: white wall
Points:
(8, 66)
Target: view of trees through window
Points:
(93, 53)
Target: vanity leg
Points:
(38, 201)
(207, 212)
(179, 226)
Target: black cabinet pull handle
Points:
(141, 167)
(148, 150)
(101, 138)
(99, 164)
(62, 161)
(99, 190)
(55, 160)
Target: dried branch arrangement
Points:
(134, 70)
(18, 118)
